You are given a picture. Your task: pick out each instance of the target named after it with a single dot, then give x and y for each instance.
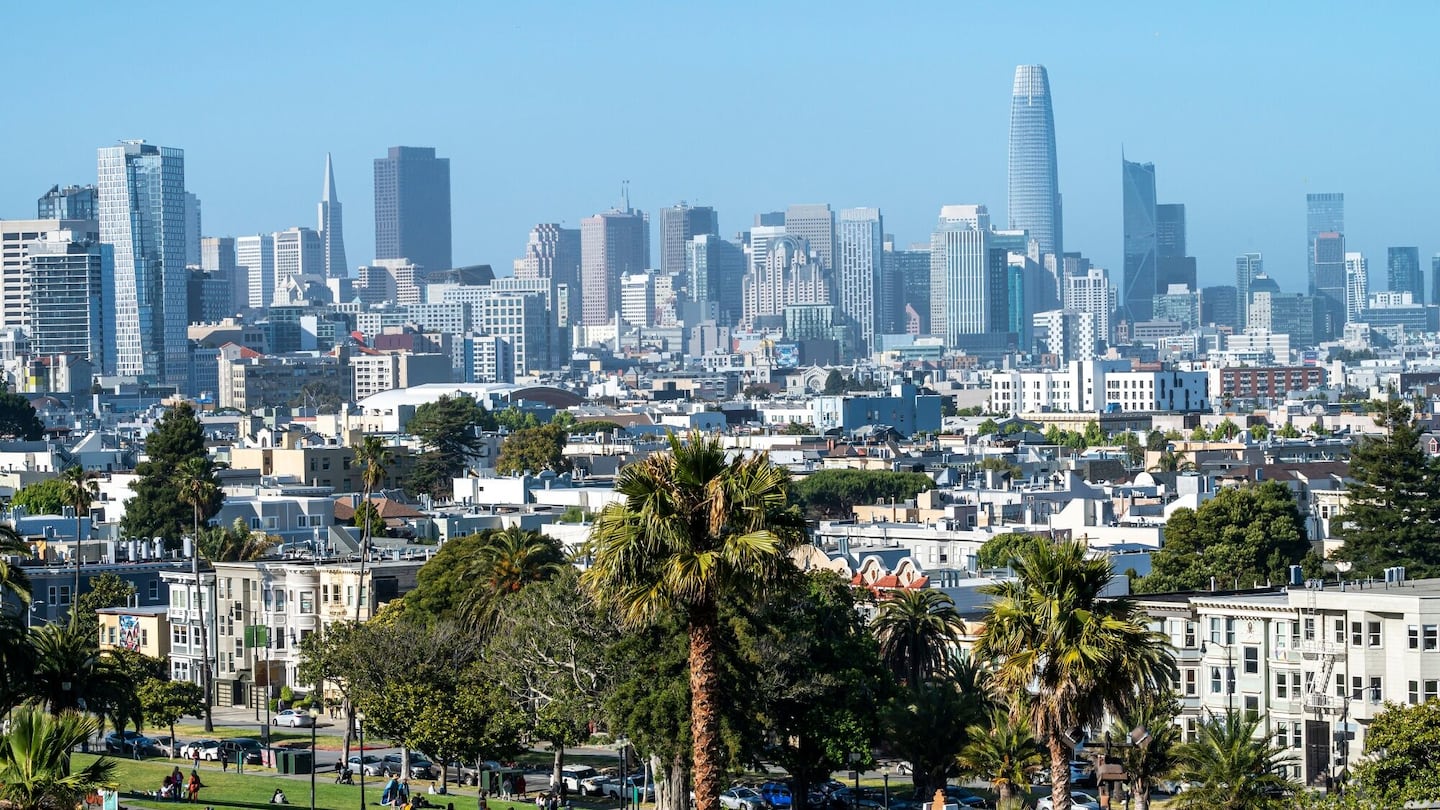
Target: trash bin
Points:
(302, 761)
(284, 760)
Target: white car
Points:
(1078, 799)
(742, 798)
(205, 749)
(293, 719)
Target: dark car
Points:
(129, 742)
(242, 746)
(420, 767)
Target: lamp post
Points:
(360, 726)
(314, 758)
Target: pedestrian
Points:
(195, 758)
(224, 763)
(192, 789)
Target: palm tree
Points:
(195, 481)
(692, 530)
(373, 458)
(17, 661)
(12, 577)
(35, 768)
(235, 543)
(507, 562)
(1064, 652)
(1229, 767)
(1149, 737)
(80, 490)
(1005, 754)
(918, 630)
(71, 674)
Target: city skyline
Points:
(1243, 185)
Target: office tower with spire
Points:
(678, 225)
(412, 207)
(331, 226)
(862, 253)
(1324, 213)
(1034, 180)
(1139, 284)
(815, 224)
(612, 244)
(1247, 267)
(1402, 270)
(553, 253)
(142, 215)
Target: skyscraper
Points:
(1091, 292)
(17, 273)
(217, 257)
(1169, 230)
(1141, 244)
(1247, 267)
(412, 207)
(1403, 272)
(1357, 286)
(142, 215)
(553, 253)
(816, 225)
(969, 282)
(611, 244)
(1034, 181)
(192, 230)
(1324, 213)
(678, 225)
(910, 273)
(67, 313)
(715, 273)
(332, 226)
(1327, 258)
(862, 252)
(255, 263)
(71, 202)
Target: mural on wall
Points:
(130, 633)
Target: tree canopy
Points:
(447, 427)
(18, 419)
(48, 497)
(834, 493)
(1409, 736)
(157, 510)
(533, 450)
(1242, 535)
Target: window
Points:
(1282, 636)
(1295, 741)
(1339, 685)
(1191, 690)
(1357, 634)
(1309, 629)
(1215, 631)
(1431, 632)
(1252, 706)
(1432, 690)
(1252, 660)
(1282, 736)
(1282, 682)
(254, 522)
(1339, 625)
(349, 595)
(279, 601)
(1414, 633)
(1374, 633)
(144, 637)
(53, 595)
(111, 634)
(240, 647)
(1357, 687)
(307, 602)
(1414, 692)
(1294, 686)
(1377, 688)
(154, 590)
(180, 635)
(300, 521)
(1229, 632)
(1191, 631)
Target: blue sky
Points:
(544, 108)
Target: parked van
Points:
(575, 776)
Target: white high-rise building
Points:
(816, 225)
(142, 214)
(968, 282)
(1091, 292)
(331, 227)
(1357, 285)
(862, 250)
(255, 262)
(298, 252)
(16, 274)
(637, 299)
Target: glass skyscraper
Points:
(1141, 244)
(1034, 181)
(862, 252)
(1324, 213)
(1403, 272)
(142, 215)
(412, 207)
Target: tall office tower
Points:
(816, 225)
(142, 214)
(192, 230)
(1220, 306)
(969, 282)
(1435, 279)
(638, 299)
(862, 254)
(611, 244)
(1324, 213)
(757, 245)
(1247, 267)
(67, 313)
(1357, 286)
(70, 202)
(791, 274)
(910, 271)
(1091, 292)
(1141, 245)
(678, 225)
(412, 207)
(298, 252)
(553, 253)
(1327, 257)
(1169, 230)
(16, 272)
(1034, 181)
(331, 224)
(255, 263)
(1402, 265)
(715, 270)
(217, 258)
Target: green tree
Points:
(919, 632)
(72, 674)
(13, 577)
(447, 428)
(1225, 431)
(693, 529)
(1199, 434)
(1134, 450)
(513, 418)
(1068, 654)
(195, 485)
(533, 451)
(648, 702)
(367, 519)
(988, 427)
(106, 591)
(1259, 431)
(1151, 756)
(1409, 737)
(235, 543)
(590, 427)
(1094, 436)
(835, 493)
(1393, 500)
(798, 429)
(1155, 440)
(48, 497)
(36, 772)
(164, 702)
(1244, 534)
(834, 383)
(1000, 550)
(17, 662)
(156, 509)
(506, 562)
(1232, 765)
(928, 725)
(1288, 431)
(18, 420)
(1004, 753)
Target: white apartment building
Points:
(1091, 292)
(1070, 334)
(1096, 385)
(15, 275)
(1317, 663)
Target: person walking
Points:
(195, 758)
(192, 788)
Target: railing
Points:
(1324, 702)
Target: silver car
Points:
(742, 798)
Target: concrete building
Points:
(861, 245)
(249, 379)
(816, 225)
(904, 408)
(412, 207)
(16, 272)
(969, 292)
(553, 253)
(298, 252)
(1357, 285)
(69, 276)
(1093, 386)
(255, 263)
(329, 465)
(1264, 382)
(678, 225)
(391, 281)
(1068, 334)
(1247, 267)
(145, 630)
(611, 244)
(374, 372)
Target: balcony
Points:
(1315, 649)
(1324, 702)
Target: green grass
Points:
(278, 735)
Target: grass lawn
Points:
(278, 735)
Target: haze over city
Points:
(544, 110)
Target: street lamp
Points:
(360, 726)
(314, 758)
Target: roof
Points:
(389, 509)
(417, 395)
(143, 610)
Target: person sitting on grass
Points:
(279, 797)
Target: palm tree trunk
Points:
(1003, 792)
(704, 708)
(364, 552)
(198, 606)
(1059, 773)
(1141, 792)
(75, 594)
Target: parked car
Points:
(292, 718)
(371, 763)
(574, 776)
(613, 786)
(239, 746)
(776, 795)
(742, 798)
(847, 798)
(169, 746)
(205, 748)
(130, 743)
(1078, 800)
(1082, 773)
(420, 767)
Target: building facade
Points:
(1034, 201)
(678, 225)
(412, 207)
(330, 222)
(1141, 244)
(859, 277)
(611, 244)
(67, 298)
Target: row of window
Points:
(1287, 686)
(1289, 634)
